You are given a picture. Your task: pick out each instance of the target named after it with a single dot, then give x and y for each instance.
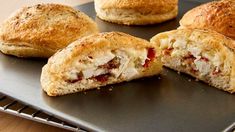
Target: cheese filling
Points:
(189, 57)
(122, 63)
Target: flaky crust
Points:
(210, 40)
(143, 6)
(43, 27)
(25, 51)
(136, 12)
(52, 73)
(216, 15)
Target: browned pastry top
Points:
(216, 15)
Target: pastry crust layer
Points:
(206, 55)
(136, 12)
(43, 29)
(99, 60)
(216, 15)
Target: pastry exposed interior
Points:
(206, 55)
(99, 60)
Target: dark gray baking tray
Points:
(17, 108)
(169, 102)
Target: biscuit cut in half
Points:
(217, 15)
(206, 55)
(99, 60)
(136, 12)
(43, 29)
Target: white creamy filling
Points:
(141, 54)
(217, 60)
(124, 61)
(180, 44)
(202, 66)
(126, 67)
(179, 53)
(72, 74)
(181, 49)
(143, 57)
(195, 51)
(103, 59)
(88, 73)
(130, 72)
(164, 43)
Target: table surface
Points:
(10, 123)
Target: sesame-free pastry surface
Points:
(136, 12)
(41, 30)
(164, 103)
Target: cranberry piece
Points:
(193, 70)
(102, 78)
(146, 64)
(151, 55)
(204, 59)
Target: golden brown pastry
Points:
(206, 55)
(99, 60)
(136, 12)
(216, 15)
(41, 30)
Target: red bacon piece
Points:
(146, 64)
(102, 78)
(204, 59)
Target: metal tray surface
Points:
(14, 107)
(168, 102)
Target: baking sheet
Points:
(168, 102)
